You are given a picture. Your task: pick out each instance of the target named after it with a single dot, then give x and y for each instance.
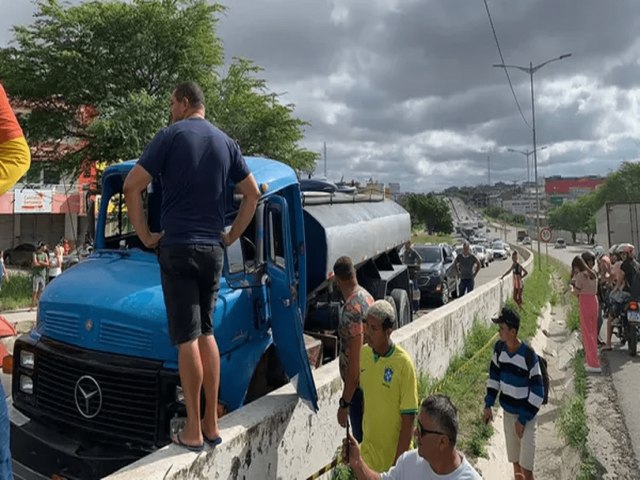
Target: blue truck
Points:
(95, 385)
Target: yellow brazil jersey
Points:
(390, 390)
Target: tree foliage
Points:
(429, 211)
(621, 186)
(503, 215)
(99, 78)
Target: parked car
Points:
(438, 279)
(499, 250)
(481, 254)
(560, 243)
(22, 255)
(526, 241)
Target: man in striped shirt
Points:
(515, 373)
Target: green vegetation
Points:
(16, 293)
(429, 212)
(90, 72)
(502, 215)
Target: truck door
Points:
(286, 315)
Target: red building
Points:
(45, 205)
(559, 189)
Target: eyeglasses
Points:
(423, 431)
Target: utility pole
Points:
(531, 70)
(489, 169)
(325, 159)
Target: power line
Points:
(506, 72)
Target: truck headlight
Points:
(26, 384)
(27, 359)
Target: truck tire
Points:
(391, 300)
(403, 309)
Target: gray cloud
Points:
(404, 90)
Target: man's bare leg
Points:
(190, 367)
(210, 358)
(517, 472)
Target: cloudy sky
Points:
(404, 90)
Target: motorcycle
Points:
(632, 325)
(626, 323)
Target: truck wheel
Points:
(403, 308)
(391, 300)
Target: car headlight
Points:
(26, 384)
(27, 359)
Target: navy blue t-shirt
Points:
(194, 161)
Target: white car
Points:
(526, 241)
(499, 250)
(481, 254)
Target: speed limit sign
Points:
(545, 235)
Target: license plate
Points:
(633, 316)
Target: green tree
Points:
(621, 186)
(101, 74)
(429, 211)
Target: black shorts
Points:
(190, 277)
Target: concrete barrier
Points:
(278, 437)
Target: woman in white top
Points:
(4, 274)
(55, 262)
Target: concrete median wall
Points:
(278, 437)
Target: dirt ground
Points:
(608, 439)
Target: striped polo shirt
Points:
(520, 386)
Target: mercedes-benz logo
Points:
(88, 396)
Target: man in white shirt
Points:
(436, 457)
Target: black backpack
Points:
(543, 371)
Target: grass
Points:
(16, 293)
(424, 238)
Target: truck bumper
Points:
(39, 451)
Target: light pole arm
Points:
(538, 67)
(502, 65)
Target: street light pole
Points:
(527, 154)
(531, 70)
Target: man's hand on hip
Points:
(152, 239)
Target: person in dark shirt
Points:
(194, 162)
(630, 269)
(467, 266)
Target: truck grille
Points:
(123, 407)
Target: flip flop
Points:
(606, 349)
(192, 448)
(212, 442)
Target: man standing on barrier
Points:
(435, 458)
(350, 330)
(388, 381)
(194, 162)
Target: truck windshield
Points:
(117, 223)
(429, 254)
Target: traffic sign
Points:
(545, 235)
